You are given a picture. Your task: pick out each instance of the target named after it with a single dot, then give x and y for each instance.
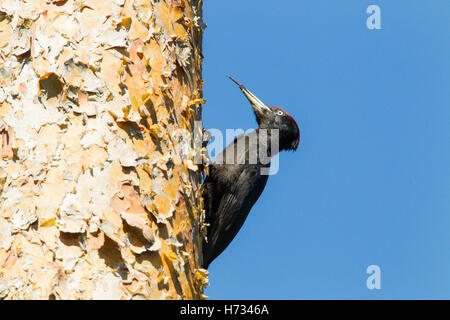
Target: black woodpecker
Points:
(239, 174)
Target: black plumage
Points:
(231, 189)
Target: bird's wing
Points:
(232, 210)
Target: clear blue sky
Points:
(370, 181)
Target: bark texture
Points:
(96, 202)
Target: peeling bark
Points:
(95, 203)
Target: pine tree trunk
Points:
(95, 200)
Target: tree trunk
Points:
(95, 201)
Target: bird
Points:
(238, 175)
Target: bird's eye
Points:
(279, 112)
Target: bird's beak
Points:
(258, 106)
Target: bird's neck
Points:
(268, 139)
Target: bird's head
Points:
(269, 117)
